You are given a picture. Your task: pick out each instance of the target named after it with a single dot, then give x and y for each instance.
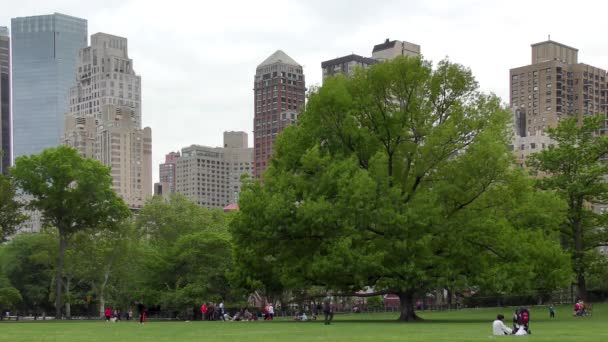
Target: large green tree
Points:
(185, 253)
(11, 214)
(391, 179)
(72, 193)
(575, 168)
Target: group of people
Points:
(115, 315)
(213, 312)
(581, 309)
(521, 321)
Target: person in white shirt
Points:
(271, 311)
(499, 328)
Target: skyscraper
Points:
(45, 51)
(166, 172)
(5, 100)
(553, 87)
(279, 91)
(104, 116)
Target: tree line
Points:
(397, 180)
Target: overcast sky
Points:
(197, 58)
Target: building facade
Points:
(279, 93)
(45, 50)
(211, 176)
(104, 117)
(345, 65)
(166, 172)
(553, 87)
(394, 48)
(381, 52)
(5, 101)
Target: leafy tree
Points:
(26, 263)
(11, 215)
(165, 220)
(9, 297)
(102, 260)
(72, 194)
(391, 179)
(575, 169)
(185, 254)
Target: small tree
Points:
(11, 215)
(575, 168)
(72, 193)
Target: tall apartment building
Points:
(279, 92)
(553, 87)
(5, 100)
(45, 50)
(166, 172)
(104, 117)
(381, 52)
(210, 176)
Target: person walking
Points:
(328, 311)
(271, 311)
(142, 313)
(204, 311)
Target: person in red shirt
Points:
(204, 311)
(108, 314)
(577, 309)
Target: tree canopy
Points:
(575, 169)
(11, 214)
(398, 178)
(72, 194)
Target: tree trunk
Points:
(102, 305)
(68, 308)
(406, 307)
(582, 286)
(450, 294)
(63, 243)
(102, 288)
(578, 256)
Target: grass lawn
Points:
(464, 325)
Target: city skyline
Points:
(197, 65)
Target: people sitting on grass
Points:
(300, 316)
(247, 316)
(499, 328)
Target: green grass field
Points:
(464, 325)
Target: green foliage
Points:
(575, 170)
(27, 264)
(375, 302)
(72, 194)
(398, 178)
(185, 253)
(11, 215)
(9, 297)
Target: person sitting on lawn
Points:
(499, 328)
(578, 309)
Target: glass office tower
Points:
(5, 100)
(45, 53)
